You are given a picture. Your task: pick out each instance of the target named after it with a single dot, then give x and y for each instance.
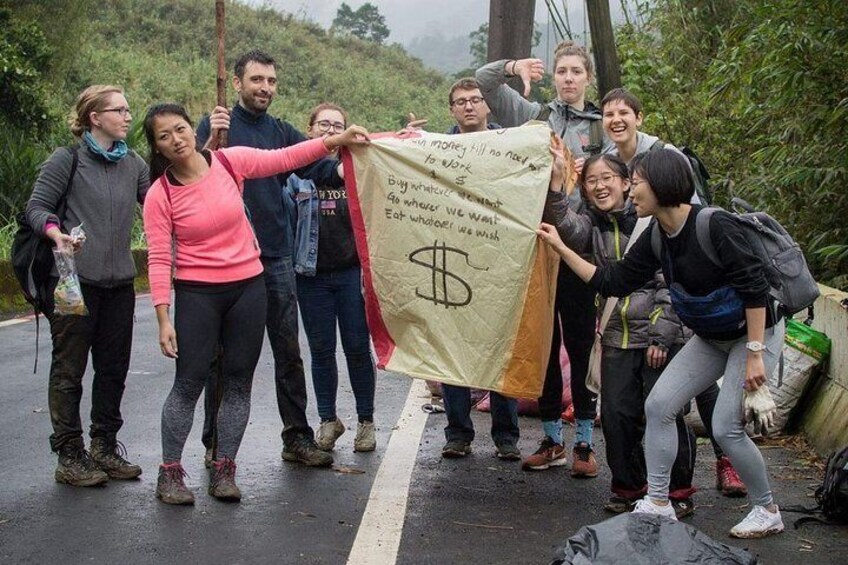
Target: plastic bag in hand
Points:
(68, 294)
(760, 409)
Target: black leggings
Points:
(574, 326)
(234, 314)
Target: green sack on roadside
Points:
(807, 340)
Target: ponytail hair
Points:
(567, 48)
(158, 163)
(92, 99)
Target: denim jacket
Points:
(300, 199)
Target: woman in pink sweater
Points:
(196, 226)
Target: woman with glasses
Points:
(643, 334)
(738, 331)
(331, 295)
(578, 122)
(97, 184)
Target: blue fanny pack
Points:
(720, 311)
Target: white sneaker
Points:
(328, 433)
(647, 506)
(366, 439)
(759, 523)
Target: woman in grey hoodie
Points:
(578, 122)
(104, 181)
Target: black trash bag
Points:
(646, 539)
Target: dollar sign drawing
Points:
(437, 262)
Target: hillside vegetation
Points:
(164, 50)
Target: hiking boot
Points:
(647, 506)
(550, 454)
(208, 458)
(584, 465)
(682, 508)
(456, 448)
(365, 439)
(109, 456)
(304, 450)
(170, 487)
(619, 505)
(222, 483)
(77, 468)
(759, 523)
(508, 451)
(328, 432)
(727, 480)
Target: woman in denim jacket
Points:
(331, 294)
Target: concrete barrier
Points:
(825, 418)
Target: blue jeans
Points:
(325, 299)
(458, 409)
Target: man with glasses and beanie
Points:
(249, 124)
(471, 113)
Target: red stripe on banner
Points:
(383, 343)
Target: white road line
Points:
(378, 538)
(15, 321)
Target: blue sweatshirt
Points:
(263, 196)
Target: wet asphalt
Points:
(474, 510)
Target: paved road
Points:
(364, 511)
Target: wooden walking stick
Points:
(221, 81)
(220, 141)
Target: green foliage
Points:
(760, 89)
(479, 45)
(23, 54)
(19, 163)
(365, 23)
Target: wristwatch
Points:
(755, 346)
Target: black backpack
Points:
(792, 284)
(700, 175)
(32, 255)
(832, 495)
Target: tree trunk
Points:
(603, 46)
(511, 31)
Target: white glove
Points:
(760, 409)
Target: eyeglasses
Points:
(123, 112)
(461, 102)
(592, 182)
(326, 125)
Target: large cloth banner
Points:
(458, 288)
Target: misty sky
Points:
(408, 19)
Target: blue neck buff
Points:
(117, 152)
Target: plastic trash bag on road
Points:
(644, 539)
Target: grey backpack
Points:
(792, 284)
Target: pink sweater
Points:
(215, 242)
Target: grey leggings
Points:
(700, 363)
(233, 314)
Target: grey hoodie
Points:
(103, 197)
(510, 109)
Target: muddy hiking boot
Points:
(78, 469)
(109, 456)
(222, 480)
(366, 438)
(328, 432)
(304, 450)
(170, 486)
